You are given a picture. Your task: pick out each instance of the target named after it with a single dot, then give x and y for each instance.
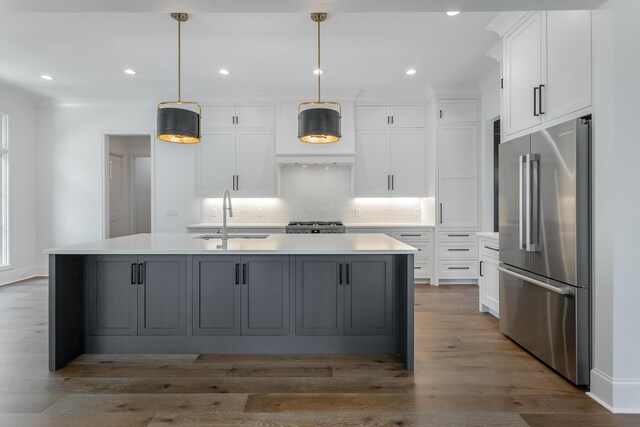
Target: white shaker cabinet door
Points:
(255, 117)
(522, 75)
(373, 175)
(407, 117)
(215, 163)
(217, 117)
(255, 172)
(568, 65)
(373, 117)
(457, 111)
(407, 163)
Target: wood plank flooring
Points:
(467, 374)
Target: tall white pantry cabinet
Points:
(457, 190)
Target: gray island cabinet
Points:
(286, 294)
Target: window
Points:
(4, 191)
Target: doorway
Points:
(128, 185)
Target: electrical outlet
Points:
(172, 212)
(416, 211)
(214, 212)
(259, 212)
(358, 212)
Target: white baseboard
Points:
(620, 396)
(15, 275)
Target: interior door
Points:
(407, 163)
(215, 163)
(256, 163)
(511, 202)
(554, 222)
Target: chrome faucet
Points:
(226, 196)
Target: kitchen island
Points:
(280, 294)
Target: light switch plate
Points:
(259, 212)
(416, 211)
(214, 212)
(358, 212)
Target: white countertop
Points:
(207, 225)
(291, 244)
(494, 236)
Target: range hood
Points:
(315, 159)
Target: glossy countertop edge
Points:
(347, 225)
(290, 244)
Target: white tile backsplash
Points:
(320, 192)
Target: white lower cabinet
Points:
(489, 283)
(457, 256)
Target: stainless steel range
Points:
(314, 227)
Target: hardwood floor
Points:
(467, 374)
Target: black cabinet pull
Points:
(540, 99)
(237, 120)
(411, 235)
(458, 268)
(440, 213)
(391, 119)
(535, 104)
(492, 249)
(140, 273)
(237, 182)
(348, 272)
(339, 274)
(458, 235)
(441, 115)
(237, 274)
(244, 274)
(392, 179)
(458, 250)
(388, 120)
(481, 270)
(133, 274)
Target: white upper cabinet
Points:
(568, 84)
(382, 117)
(523, 75)
(255, 157)
(246, 117)
(215, 162)
(407, 163)
(373, 176)
(457, 111)
(547, 69)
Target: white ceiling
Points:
(269, 46)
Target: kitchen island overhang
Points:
(285, 294)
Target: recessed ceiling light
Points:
(453, 13)
(130, 71)
(411, 71)
(46, 77)
(317, 71)
(224, 72)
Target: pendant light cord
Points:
(179, 62)
(319, 69)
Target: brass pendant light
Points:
(177, 124)
(319, 125)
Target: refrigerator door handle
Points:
(532, 239)
(562, 291)
(521, 228)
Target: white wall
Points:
(615, 378)
(489, 112)
(22, 185)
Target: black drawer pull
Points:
(458, 268)
(411, 235)
(133, 274)
(140, 274)
(458, 235)
(244, 274)
(237, 274)
(339, 274)
(348, 280)
(417, 268)
(459, 250)
(492, 249)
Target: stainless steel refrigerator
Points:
(545, 262)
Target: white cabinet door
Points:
(215, 163)
(490, 285)
(407, 163)
(373, 117)
(458, 203)
(407, 117)
(255, 160)
(458, 111)
(373, 174)
(523, 73)
(568, 63)
(255, 117)
(217, 117)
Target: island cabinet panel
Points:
(162, 295)
(112, 295)
(265, 295)
(136, 295)
(319, 295)
(368, 295)
(216, 295)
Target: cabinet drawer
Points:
(489, 249)
(422, 270)
(457, 236)
(406, 236)
(458, 249)
(424, 250)
(458, 269)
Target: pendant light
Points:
(177, 124)
(319, 125)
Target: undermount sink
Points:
(232, 236)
